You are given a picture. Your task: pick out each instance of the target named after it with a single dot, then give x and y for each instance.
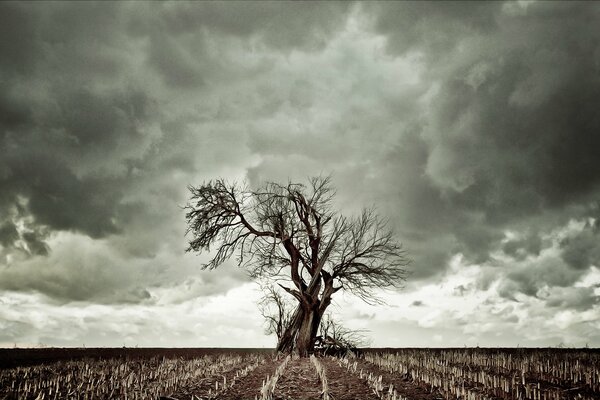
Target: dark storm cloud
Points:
(579, 299)
(504, 136)
(534, 276)
(517, 133)
(182, 35)
(511, 127)
(60, 136)
(434, 28)
(582, 249)
(281, 25)
(43, 163)
(46, 139)
(521, 247)
(16, 39)
(34, 241)
(8, 234)
(90, 139)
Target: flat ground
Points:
(234, 374)
(35, 356)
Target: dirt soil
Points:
(299, 382)
(403, 385)
(249, 386)
(10, 358)
(202, 387)
(343, 385)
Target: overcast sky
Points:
(474, 127)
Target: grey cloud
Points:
(28, 238)
(511, 127)
(431, 27)
(522, 247)
(519, 156)
(75, 279)
(178, 68)
(189, 41)
(11, 330)
(17, 38)
(8, 234)
(546, 277)
(533, 276)
(303, 25)
(554, 267)
(64, 137)
(99, 122)
(72, 136)
(14, 110)
(582, 250)
(64, 52)
(477, 240)
(60, 200)
(58, 37)
(35, 243)
(506, 136)
(137, 265)
(579, 299)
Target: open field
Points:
(32, 356)
(227, 374)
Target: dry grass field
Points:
(411, 374)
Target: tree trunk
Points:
(300, 334)
(287, 341)
(305, 340)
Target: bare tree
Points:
(333, 337)
(290, 235)
(276, 311)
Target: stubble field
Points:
(412, 374)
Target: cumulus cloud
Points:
(551, 274)
(225, 320)
(582, 248)
(463, 313)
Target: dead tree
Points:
(276, 311)
(332, 338)
(290, 235)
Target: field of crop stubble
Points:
(414, 374)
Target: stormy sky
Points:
(473, 127)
